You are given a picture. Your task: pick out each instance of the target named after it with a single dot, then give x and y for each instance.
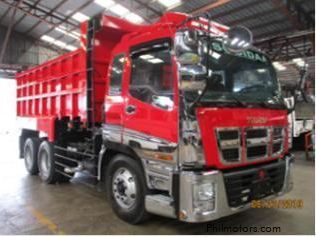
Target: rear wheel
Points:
(126, 189)
(30, 155)
(46, 164)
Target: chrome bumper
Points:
(187, 206)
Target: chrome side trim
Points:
(288, 179)
(100, 160)
(190, 145)
(158, 175)
(112, 133)
(160, 205)
(158, 156)
(146, 141)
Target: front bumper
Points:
(221, 207)
(185, 207)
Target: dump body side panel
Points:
(54, 89)
(57, 89)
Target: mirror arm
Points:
(208, 38)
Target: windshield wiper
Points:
(266, 104)
(238, 101)
(252, 88)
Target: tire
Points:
(46, 165)
(30, 155)
(122, 174)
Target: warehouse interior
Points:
(35, 31)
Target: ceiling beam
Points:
(5, 14)
(49, 13)
(285, 10)
(237, 9)
(288, 46)
(88, 2)
(149, 7)
(210, 6)
(267, 23)
(274, 33)
(251, 17)
(9, 31)
(35, 12)
(23, 17)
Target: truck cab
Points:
(193, 123)
(218, 137)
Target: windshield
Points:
(246, 77)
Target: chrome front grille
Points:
(277, 140)
(230, 144)
(256, 142)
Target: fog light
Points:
(204, 197)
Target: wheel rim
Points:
(124, 188)
(44, 164)
(28, 158)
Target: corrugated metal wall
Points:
(24, 50)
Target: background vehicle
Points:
(180, 118)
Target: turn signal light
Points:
(164, 157)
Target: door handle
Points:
(130, 109)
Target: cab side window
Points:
(116, 75)
(151, 79)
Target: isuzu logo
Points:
(256, 120)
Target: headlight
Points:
(204, 197)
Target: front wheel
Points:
(126, 189)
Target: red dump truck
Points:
(182, 118)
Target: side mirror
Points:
(190, 37)
(238, 39)
(187, 50)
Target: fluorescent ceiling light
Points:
(47, 38)
(71, 34)
(299, 62)
(278, 66)
(59, 43)
(119, 9)
(76, 33)
(169, 3)
(155, 60)
(146, 56)
(132, 17)
(71, 47)
(80, 17)
(105, 3)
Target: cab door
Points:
(151, 111)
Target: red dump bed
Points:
(58, 88)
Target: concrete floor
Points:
(28, 206)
